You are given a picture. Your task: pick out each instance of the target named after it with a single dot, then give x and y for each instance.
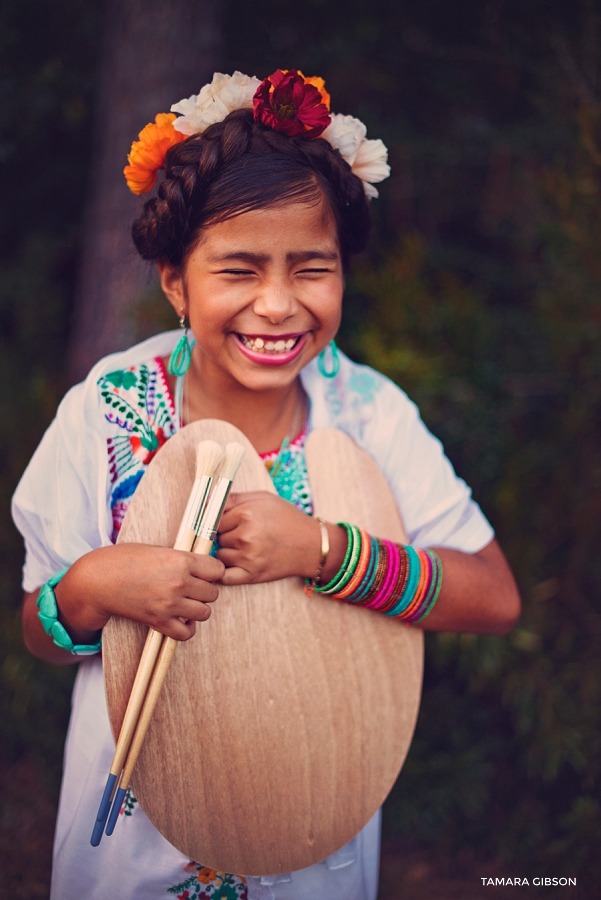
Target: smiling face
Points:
(263, 294)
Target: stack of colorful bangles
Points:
(396, 580)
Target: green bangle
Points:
(327, 588)
(345, 572)
(48, 616)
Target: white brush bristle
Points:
(208, 456)
(234, 454)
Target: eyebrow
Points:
(262, 258)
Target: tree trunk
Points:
(154, 53)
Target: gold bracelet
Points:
(325, 549)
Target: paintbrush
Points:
(211, 516)
(208, 456)
(209, 523)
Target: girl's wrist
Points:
(313, 550)
(338, 540)
(82, 621)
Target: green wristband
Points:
(48, 616)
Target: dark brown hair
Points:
(239, 165)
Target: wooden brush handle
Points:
(152, 695)
(203, 546)
(167, 649)
(151, 650)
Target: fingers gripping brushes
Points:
(201, 517)
(208, 456)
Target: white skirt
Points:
(136, 862)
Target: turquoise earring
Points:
(334, 369)
(179, 361)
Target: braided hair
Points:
(239, 165)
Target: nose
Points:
(275, 301)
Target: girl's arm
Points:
(263, 538)
(478, 593)
(153, 585)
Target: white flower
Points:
(215, 101)
(371, 164)
(345, 133)
(367, 159)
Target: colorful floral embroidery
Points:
(129, 804)
(288, 470)
(207, 884)
(138, 402)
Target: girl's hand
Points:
(264, 538)
(153, 585)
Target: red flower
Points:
(140, 449)
(287, 102)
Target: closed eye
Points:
(235, 272)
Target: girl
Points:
(264, 199)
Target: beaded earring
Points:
(334, 369)
(179, 361)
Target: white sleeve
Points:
(60, 504)
(436, 506)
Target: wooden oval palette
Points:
(284, 722)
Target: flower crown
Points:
(286, 101)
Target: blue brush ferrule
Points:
(103, 811)
(117, 804)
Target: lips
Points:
(271, 350)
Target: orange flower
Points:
(147, 155)
(206, 875)
(320, 84)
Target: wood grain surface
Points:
(284, 722)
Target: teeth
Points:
(262, 345)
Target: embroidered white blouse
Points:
(68, 503)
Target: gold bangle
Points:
(325, 549)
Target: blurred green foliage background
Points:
(480, 296)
